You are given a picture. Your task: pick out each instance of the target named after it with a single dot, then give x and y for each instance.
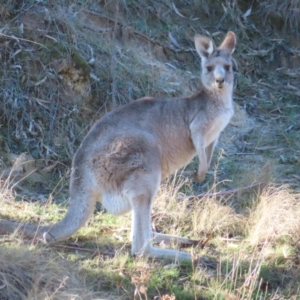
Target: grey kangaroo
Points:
(127, 153)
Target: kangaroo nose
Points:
(219, 80)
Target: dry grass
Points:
(196, 219)
(33, 274)
(287, 11)
(242, 254)
(275, 217)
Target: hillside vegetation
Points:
(64, 64)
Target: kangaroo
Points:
(128, 152)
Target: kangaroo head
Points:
(217, 74)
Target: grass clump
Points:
(275, 217)
(26, 273)
(286, 12)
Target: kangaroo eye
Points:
(227, 67)
(209, 68)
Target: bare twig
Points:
(251, 187)
(21, 39)
(95, 252)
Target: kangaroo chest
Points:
(217, 126)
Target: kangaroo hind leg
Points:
(141, 197)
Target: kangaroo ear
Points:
(229, 43)
(204, 46)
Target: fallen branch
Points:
(95, 252)
(230, 192)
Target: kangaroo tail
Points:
(80, 209)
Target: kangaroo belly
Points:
(115, 204)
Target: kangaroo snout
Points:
(219, 75)
(220, 81)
